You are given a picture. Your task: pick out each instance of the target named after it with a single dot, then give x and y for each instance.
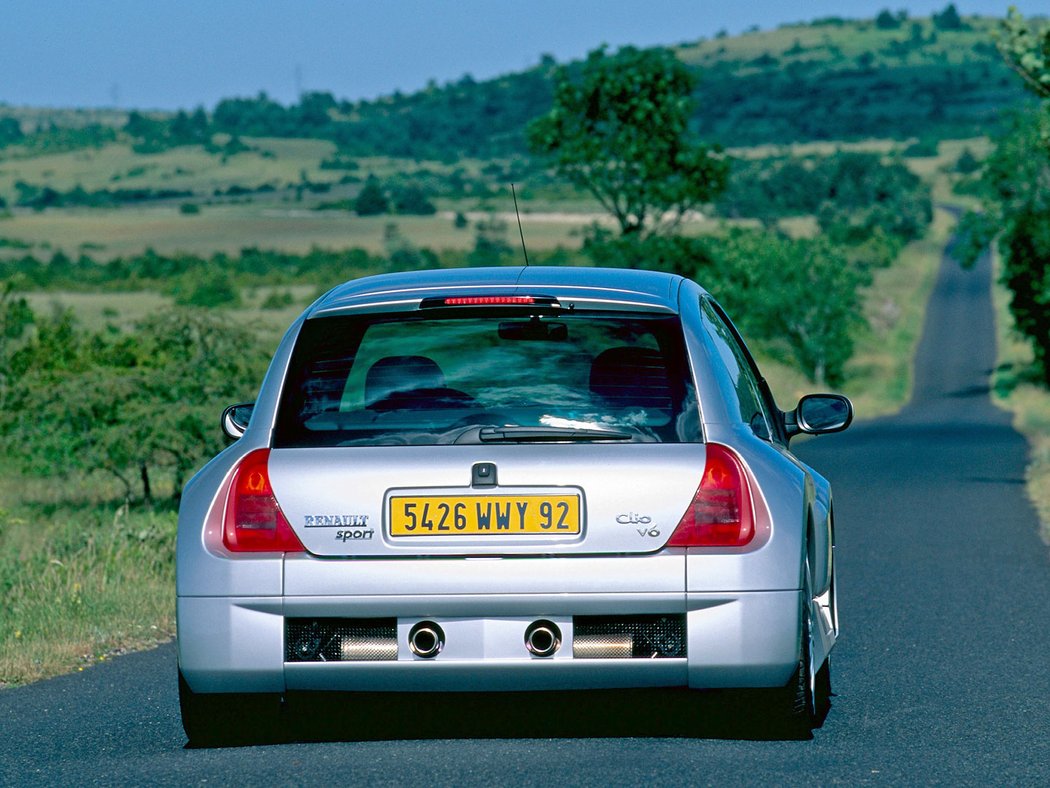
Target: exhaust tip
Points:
(426, 639)
(542, 638)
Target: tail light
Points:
(720, 514)
(490, 300)
(254, 521)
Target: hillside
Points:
(852, 80)
(842, 80)
(831, 79)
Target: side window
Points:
(753, 409)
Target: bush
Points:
(10, 132)
(672, 253)
(212, 290)
(967, 163)
(277, 300)
(948, 19)
(412, 200)
(339, 162)
(371, 201)
(887, 20)
(924, 146)
(189, 209)
(799, 295)
(127, 404)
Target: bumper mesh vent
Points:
(340, 639)
(628, 637)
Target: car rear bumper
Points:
(237, 644)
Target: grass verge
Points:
(1027, 401)
(81, 583)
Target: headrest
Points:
(401, 373)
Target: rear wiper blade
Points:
(517, 434)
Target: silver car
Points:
(508, 479)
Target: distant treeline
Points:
(761, 102)
(853, 195)
(182, 274)
(935, 79)
(150, 270)
(40, 197)
(52, 138)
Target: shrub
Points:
(371, 201)
(277, 299)
(214, 289)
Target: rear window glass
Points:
(417, 379)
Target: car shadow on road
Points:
(591, 714)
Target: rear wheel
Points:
(804, 702)
(229, 719)
(794, 707)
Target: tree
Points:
(371, 201)
(619, 129)
(10, 131)
(866, 195)
(1016, 182)
(799, 294)
(130, 404)
(189, 129)
(967, 163)
(676, 254)
(1026, 49)
(15, 319)
(490, 242)
(212, 289)
(411, 199)
(948, 19)
(887, 20)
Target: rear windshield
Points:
(378, 380)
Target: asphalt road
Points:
(942, 674)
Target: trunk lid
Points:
(507, 499)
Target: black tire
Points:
(229, 719)
(803, 704)
(790, 709)
(822, 693)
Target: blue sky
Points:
(181, 53)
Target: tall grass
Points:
(80, 583)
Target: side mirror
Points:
(818, 414)
(235, 419)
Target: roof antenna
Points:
(520, 231)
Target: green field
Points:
(106, 234)
(551, 217)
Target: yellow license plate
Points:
(484, 515)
